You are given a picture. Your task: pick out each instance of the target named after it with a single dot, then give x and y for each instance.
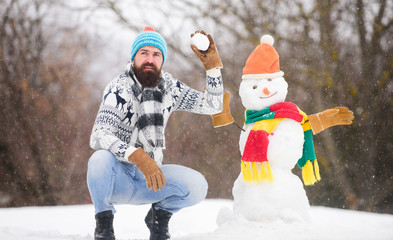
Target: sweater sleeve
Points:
(112, 111)
(206, 102)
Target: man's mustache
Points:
(149, 65)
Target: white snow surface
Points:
(197, 222)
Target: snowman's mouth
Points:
(268, 96)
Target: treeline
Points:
(46, 108)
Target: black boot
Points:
(157, 222)
(104, 226)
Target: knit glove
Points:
(210, 57)
(154, 177)
(223, 118)
(330, 117)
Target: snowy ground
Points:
(198, 222)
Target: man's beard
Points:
(149, 79)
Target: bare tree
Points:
(45, 123)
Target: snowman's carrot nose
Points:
(266, 91)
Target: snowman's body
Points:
(285, 197)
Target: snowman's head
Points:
(257, 94)
(262, 81)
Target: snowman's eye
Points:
(254, 87)
(269, 80)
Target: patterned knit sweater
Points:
(116, 118)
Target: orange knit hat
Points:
(263, 61)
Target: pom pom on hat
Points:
(149, 37)
(267, 39)
(148, 28)
(263, 62)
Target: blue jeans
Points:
(114, 182)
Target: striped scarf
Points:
(255, 151)
(150, 124)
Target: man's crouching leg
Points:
(186, 187)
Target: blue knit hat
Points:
(149, 37)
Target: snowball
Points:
(200, 41)
(223, 216)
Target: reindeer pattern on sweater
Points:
(116, 119)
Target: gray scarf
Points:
(150, 123)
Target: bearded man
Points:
(128, 136)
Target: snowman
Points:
(275, 136)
